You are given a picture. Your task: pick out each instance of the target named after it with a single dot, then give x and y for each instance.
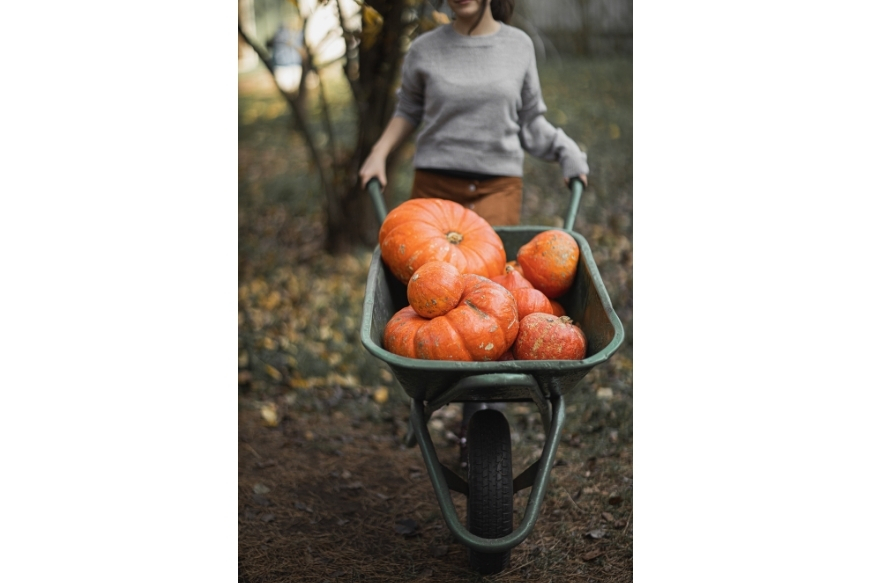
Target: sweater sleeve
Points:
(539, 137)
(409, 102)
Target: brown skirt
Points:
(497, 200)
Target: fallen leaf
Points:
(608, 516)
(615, 499)
(261, 489)
(269, 414)
(273, 372)
(271, 301)
(381, 395)
(595, 533)
(299, 383)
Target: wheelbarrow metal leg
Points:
(443, 494)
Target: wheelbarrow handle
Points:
(577, 188)
(374, 188)
(575, 184)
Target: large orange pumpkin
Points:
(432, 229)
(482, 327)
(550, 262)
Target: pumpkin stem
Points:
(454, 238)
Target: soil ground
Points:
(327, 489)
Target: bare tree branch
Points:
(331, 138)
(349, 37)
(296, 109)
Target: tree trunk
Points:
(355, 224)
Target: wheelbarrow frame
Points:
(433, 384)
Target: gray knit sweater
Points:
(478, 101)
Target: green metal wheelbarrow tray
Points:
(432, 384)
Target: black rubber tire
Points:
(490, 510)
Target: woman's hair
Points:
(501, 9)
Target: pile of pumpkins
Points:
(466, 302)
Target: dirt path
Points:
(322, 497)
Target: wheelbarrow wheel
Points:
(490, 511)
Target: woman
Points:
(472, 87)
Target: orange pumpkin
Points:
(432, 229)
(435, 289)
(482, 327)
(546, 337)
(550, 262)
(528, 298)
(512, 279)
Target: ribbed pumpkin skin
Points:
(550, 262)
(482, 327)
(431, 229)
(530, 300)
(400, 330)
(435, 289)
(547, 337)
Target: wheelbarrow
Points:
(489, 532)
